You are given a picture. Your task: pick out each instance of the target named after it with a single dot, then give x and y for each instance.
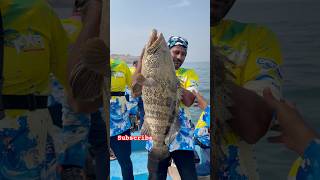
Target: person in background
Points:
(132, 103)
(119, 116)
(135, 105)
(35, 45)
(202, 135)
(134, 66)
(296, 135)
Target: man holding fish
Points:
(167, 94)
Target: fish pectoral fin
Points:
(145, 81)
(149, 82)
(173, 132)
(170, 137)
(145, 129)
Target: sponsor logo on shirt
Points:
(266, 63)
(117, 74)
(24, 41)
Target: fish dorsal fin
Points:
(153, 37)
(154, 41)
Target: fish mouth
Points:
(154, 41)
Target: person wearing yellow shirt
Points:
(35, 45)
(132, 102)
(29, 56)
(133, 68)
(119, 116)
(256, 55)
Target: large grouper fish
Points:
(221, 81)
(160, 94)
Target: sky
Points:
(132, 22)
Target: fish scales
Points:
(160, 94)
(222, 80)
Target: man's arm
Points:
(90, 29)
(139, 67)
(251, 114)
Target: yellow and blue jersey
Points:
(35, 45)
(201, 132)
(308, 166)
(119, 113)
(33, 48)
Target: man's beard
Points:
(177, 64)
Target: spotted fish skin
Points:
(222, 80)
(160, 95)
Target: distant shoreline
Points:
(126, 57)
(130, 58)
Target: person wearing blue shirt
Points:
(297, 136)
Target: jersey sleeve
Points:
(263, 68)
(312, 157)
(204, 120)
(192, 81)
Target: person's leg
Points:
(141, 112)
(203, 169)
(99, 149)
(75, 132)
(158, 168)
(184, 161)
(122, 150)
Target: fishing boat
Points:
(139, 157)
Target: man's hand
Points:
(202, 103)
(251, 114)
(187, 97)
(296, 134)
